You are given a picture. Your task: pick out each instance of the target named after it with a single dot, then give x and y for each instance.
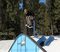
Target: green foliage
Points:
(45, 16)
(11, 15)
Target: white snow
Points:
(5, 45)
(34, 38)
(54, 46)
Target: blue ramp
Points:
(24, 44)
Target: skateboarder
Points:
(29, 22)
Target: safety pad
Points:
(48, 41)
(41, 40)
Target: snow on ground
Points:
(54, 46)
(5, 45)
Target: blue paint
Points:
(48, 41)
(29, 45)
(42, 39)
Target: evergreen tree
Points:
(56, 11)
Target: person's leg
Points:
(27, 21)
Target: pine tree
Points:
(12, 16)
(56, 12)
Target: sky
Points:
(21, 4)
(42, 1)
